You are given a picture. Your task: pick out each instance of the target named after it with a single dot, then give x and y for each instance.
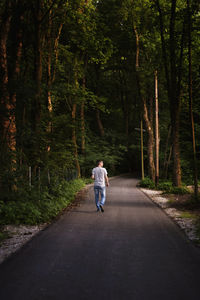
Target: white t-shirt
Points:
(99, 176)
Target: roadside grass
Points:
(188, 215)
(32, 207)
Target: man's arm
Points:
(107, 181)
(93, 177)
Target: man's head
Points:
(99, 163)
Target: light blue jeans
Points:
(100, 190)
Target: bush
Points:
(179, 190)
(147, 182)
(41, 207)
(3, 236)
(168, 187)
(165, 186)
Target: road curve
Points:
(131, 251)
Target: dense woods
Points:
(77, 78)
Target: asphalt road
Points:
(131, 251)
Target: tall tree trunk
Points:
(83, 121)
(98, 117)
(16, 70)
(56, 50)
(51, 72)
(173, 85)
(174, 99)
(124, 102)
(8, 126)
(166, 151)
(156, 128)
(150, 148)
(195, 176)
(164, 51)
(99, 123)
(142, 148)
(74, 140)
(137, 39)
(49, 77)
(74, 108)
(38, 63)
(168, 162)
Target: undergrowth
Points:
(34, 207)
(165, 186)
(3, 236)
(198, 228)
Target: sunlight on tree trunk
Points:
(150, 147)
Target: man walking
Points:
(99, 174)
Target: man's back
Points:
(99, 176)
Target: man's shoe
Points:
(102, 210)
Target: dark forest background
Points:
(78, 77)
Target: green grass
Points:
(32, 207)
(188, 215)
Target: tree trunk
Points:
(38, 63)
(74, 140)
(16, 71)
(174, 99)
(156, 128)
(195, 176)
(166, 151)
(83, 122)
(51, 72)
(49, 78)
(149, 126)
(168, 162)
(137, 48)
(176, 153)
(56, 50)
(137, 39)
(8, 126)
(142, 148)
(164, 51)
(99, 123)
(98, 117)
(173, 85)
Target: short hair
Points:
(98, 161)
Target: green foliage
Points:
(198, 228)
(89, 49)
(147, 183)
(168, 187)
(39, 207)
(165, 186)
(178, 190)
(3, 236)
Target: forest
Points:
(82, 80)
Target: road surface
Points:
(131, 251)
